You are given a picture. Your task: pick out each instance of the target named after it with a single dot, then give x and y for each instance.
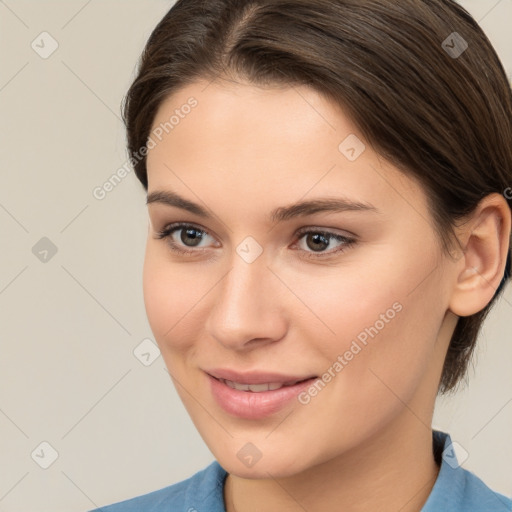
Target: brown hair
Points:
(439, 111)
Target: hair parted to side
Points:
(444, 121)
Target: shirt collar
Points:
(457, 489)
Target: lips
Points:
(254, 395)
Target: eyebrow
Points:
(280, 214)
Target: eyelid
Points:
(329, 231)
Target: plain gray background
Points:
(72, 319)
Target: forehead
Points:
(259, 120)
(267, 147)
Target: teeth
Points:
(255, 388)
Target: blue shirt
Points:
(455, 490)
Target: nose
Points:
(248, 310)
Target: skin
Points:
(365, 441)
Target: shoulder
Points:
(481, 497)
(205, 488)
(459, 490)
(465, 492)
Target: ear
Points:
(485, 239)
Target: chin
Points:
(262, 460)
(263, 469)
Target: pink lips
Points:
(249, 404)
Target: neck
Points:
(394, 470)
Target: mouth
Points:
(259, 388)
(255, 395)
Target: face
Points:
(296, 290)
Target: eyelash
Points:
(171, 228)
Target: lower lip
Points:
(250, 405)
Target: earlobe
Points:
(480, 269)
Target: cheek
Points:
(376, 320)
(359, 300)
(170, 294)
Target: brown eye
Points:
(189, 238)
(316, 243)
(192, 235)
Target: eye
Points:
(187, 238)
(190, 236)
(319, 240)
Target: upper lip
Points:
(255, 377)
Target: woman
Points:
(329, 224)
